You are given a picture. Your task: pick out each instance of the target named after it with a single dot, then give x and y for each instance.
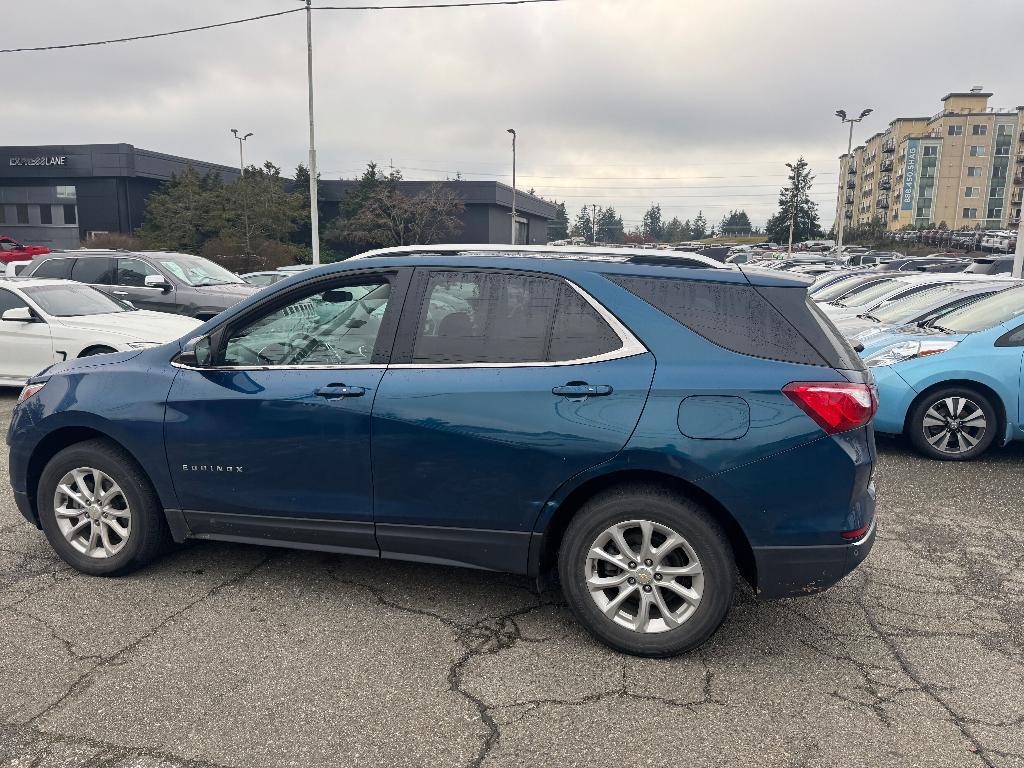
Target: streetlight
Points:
(241, 178)
(314, 213)
(841, 114)
(513, 132)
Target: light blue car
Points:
(954, 387)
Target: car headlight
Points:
(907, 350)
(28, 390)
(143, 344)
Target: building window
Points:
(932, 151)
(1002, 151)
(70, 214)
(995, 213)
(3, 214)
(970, 213)
(974, 170)
(45, 213)
(997, 192)
(971, 191)
(22, 212)
(955, 130)
(999, 172)
(66, 192)
(1004, 129)
(979, 130)
(978, 150)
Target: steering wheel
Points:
(258, 354)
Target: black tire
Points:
(97, 351)
(149, 535)
(946, 449)
(658, 506)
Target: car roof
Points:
(569, 253)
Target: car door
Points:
(503, 386)
(130, 284)
(25, 347)
(271, 441)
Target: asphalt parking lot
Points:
(226, 655)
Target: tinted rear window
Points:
(731, 315)
(55, 268)
(95, 270)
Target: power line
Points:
(418, 6)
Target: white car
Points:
(43, 322)
(13, 268)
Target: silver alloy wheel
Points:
(954, 425)
(644, 576)
(92, 512)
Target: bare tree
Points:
(389, 218)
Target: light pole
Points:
(241, 178)
(314, 213)
(513, 132)
(841, 114)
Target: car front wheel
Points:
(953, 424)
(99, 511)
(647, 572)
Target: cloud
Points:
(619, 102)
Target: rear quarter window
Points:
(730, 315)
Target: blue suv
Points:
(644, 426)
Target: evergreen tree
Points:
(674, 230)
(653, 227)
(795, 207)
(609, 226)
(559, 228)
(699, 228)
(735, 223)
(583, 226)
(686, 231)
(181, 215)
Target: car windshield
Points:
(867, 293)
(840, 287)
(905, 309)
(74, 300)
(197, 271)
(985, 313)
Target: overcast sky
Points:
(696, 105)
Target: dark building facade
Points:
(57, 195)
(486, 219)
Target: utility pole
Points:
(245, 197)
(593, 224)
(1018, 255)
(314, 213)
(841, 114)
(514, 226)
(796, 197)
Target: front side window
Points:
(338, 326)
(496, 317)
(95, 270)
(9, 300)
(132, 273)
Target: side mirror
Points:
(197, 353)
(18, 315)
(157, 281)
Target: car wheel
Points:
(96, 351)
(647, 572)
(99, 511)
(953, 424)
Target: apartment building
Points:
(962, 167)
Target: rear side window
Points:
(95, 270)
(56, 268)
(496, 317)
(731, 315)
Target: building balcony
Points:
(851, 184)
(882, 202)
(852, 168)
(886, 165)
(849, 199)
(885, 182)
(1020, 157)
(889, 145)
(1018, 178)
(848, 214)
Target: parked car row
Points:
(946, 351)
(989, 241)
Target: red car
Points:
(12, 250)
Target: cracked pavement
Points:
(227, 655)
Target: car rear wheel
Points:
(647, 572)
(953, 424)
(99, 511)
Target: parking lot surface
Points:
(227, 655)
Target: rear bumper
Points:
(795, 571)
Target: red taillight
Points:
(834, 406)
(850, 535)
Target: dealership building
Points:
(59, 195)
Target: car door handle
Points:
(340, 390)
(120, 293)
(582, 389)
